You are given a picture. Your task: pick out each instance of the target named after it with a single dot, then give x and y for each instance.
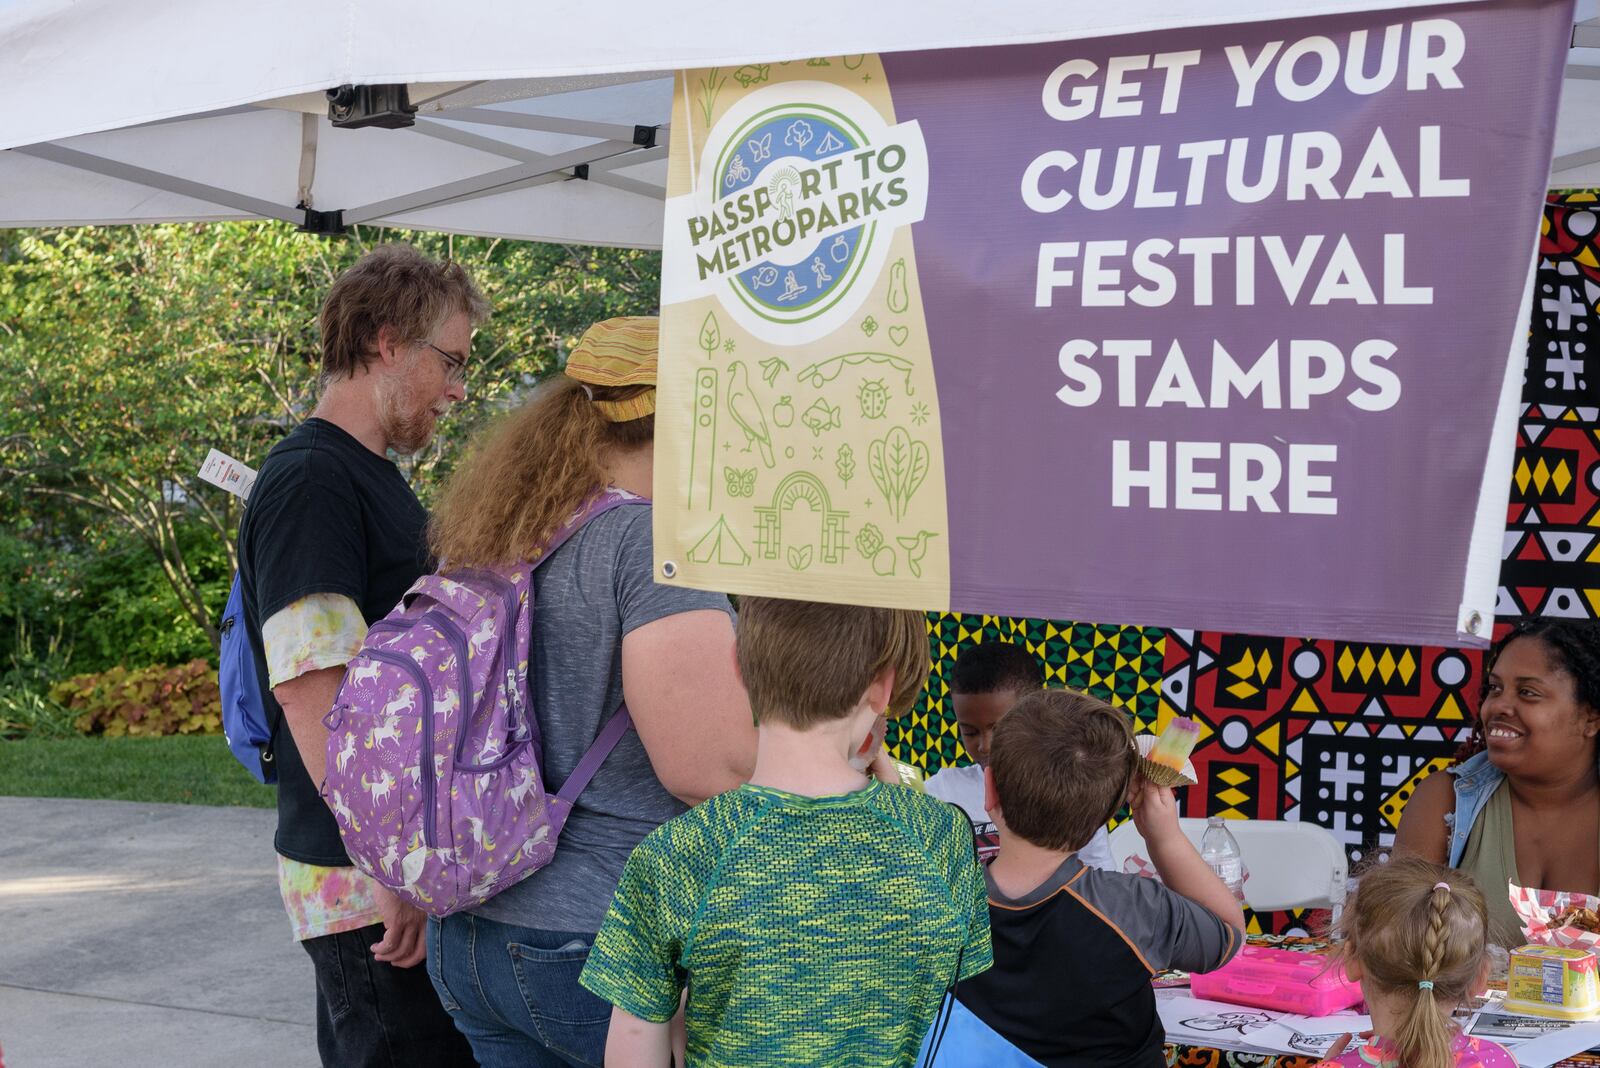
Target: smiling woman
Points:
(1524, 808)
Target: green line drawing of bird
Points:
(916, 548)
(747, 411)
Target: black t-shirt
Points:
(326, 515)
(1073, 960)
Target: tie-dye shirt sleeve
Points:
(324, 901)
(322, 630)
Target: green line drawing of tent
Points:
(807, 489)
(720, 546)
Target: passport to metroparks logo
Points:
(799, 189)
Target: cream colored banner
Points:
(798, 448)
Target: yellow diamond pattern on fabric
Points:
(1395, 803)
(1245, 667)
(1365, 664)
(1561, 477)
(1346, 664)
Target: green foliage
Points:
(147, 701)
(196, 769)
(126, 353)
(26, 708)
(123, 611)
(111, 596)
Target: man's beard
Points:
(407, 422)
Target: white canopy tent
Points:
(536, 121)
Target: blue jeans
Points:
(513, 991)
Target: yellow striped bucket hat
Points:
(619, 352)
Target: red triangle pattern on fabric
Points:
(1532, 549)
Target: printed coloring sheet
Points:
(1193, 1021)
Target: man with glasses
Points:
(332, 537)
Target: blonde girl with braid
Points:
(1415, 938)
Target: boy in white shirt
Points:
(988, 678)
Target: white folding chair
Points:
(1292, 865)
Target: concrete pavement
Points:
(138, 936)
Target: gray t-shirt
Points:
(591, 592)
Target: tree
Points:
(127, 353)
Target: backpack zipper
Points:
(523, 728)
(405, 663)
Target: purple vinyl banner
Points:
(1215, 328)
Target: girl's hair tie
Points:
(1426, 984)
(1442, 886)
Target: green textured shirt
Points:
(808, 930)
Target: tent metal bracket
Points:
(323, 223)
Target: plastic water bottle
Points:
(1219, 850)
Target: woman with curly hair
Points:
(603, 632)
(1525, 807)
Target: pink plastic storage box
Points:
(1305, 983)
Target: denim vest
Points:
(1475, 780)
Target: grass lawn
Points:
(185, 769)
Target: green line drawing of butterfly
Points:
(741, 482)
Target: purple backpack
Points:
(435, 764)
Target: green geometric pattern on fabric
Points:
(1120, 665)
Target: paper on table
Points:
(1547, 1050)
(1192, 1021)
(1195, 1021)
(1311, 1036)
(1509, 1029)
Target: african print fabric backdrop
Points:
(1335, 732)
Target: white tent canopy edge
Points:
(200, 110)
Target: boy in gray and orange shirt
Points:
(1075, 947)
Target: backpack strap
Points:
(620, 723)
(621, 720)
(597, 505)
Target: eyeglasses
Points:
(455, 367)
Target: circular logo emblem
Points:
(785, 153)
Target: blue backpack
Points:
(958, 1039)
(244, 717)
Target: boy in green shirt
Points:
(815, 916)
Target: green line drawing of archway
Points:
(801, 487)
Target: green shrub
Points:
(123, 611)
(26, 709)
(26, 714)
(146, 701)
(107, 591)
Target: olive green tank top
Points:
(1491, 859)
